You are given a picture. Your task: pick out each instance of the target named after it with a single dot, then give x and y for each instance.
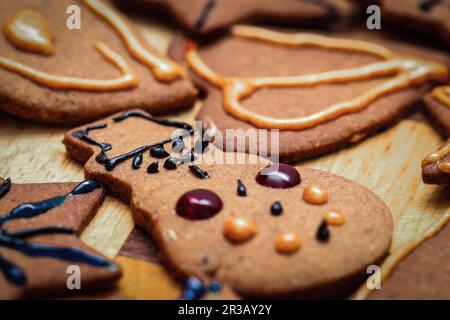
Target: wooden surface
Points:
(388, 163)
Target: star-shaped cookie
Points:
(203, 17)
(39, 247)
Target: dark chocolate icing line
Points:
(204, 14)
(84, 135)
(31, 232)
(198, 172)
(51, 251)
(190, 156)
(14, 240)
(30, 210)
(163, 122)
(12, 272)
(4, 187)
(111, 163)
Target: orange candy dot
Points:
(315, 194)
(334, 218)
(287, 243)
(239, 229)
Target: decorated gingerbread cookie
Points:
(320, 92)
(203, 17)
(55, 71)
(232, 220)
(436, 166)
(431, 17)
(39, 247)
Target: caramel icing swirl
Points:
(406, 71)
(126, 81)
(438, 157)
(162, 68)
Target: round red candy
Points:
(198, 204)
(279, 176)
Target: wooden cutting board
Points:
(388, 164)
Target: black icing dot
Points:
(170, 164)
(276, 209)
(137, 161)
(178, 145)
(159, 152)
(198, 172)
(241, 189)
(153, 167)
(323, 233)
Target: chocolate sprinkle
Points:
(241, 189)
(198, 172)
(153, 167)
(323, 233)
(178, 145)
(159, 152)
(137, 161)
(170, 163)
(276, 209)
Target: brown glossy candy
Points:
(239, 229)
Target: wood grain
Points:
(388, 163)
(146, 280)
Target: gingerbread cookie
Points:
(431, 17)
(57, 75)
(261, 229)
(39, 224)
(436, 166)
(318, 99)
(204, 17)
(437, 105)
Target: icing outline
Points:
(409, 71)
(128, 79)
(162, 68)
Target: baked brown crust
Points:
(75, 56)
